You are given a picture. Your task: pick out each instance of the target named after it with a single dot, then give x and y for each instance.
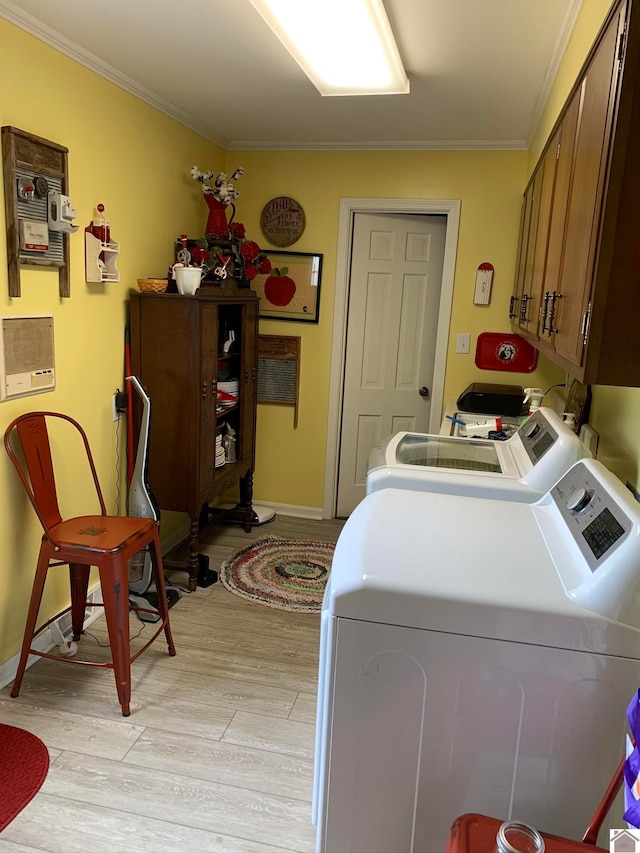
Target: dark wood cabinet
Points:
(576, 296)
(178, 352)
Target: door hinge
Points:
(622, 38)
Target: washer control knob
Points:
(578, 499)
(532, 430)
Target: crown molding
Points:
(386, 145)
(561, 45)
(12, 13)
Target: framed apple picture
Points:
(291, 291)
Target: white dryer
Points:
(522, 468)
(476, 655)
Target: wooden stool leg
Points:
(32, 615)
(79, 580)
(114, 581)
(161, 591)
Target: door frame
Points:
(348, 209)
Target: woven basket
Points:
(152, 285)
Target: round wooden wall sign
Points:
(282, 221)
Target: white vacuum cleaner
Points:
(142, 504)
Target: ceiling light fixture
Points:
(345, 47)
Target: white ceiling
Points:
(480, 70)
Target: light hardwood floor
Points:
(217, 754)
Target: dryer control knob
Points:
(578, 499)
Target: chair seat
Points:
(101, 532)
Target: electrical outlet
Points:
(115, 414)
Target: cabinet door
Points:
(566, 138)
(207, 392)
(249, 379)
(533, 296)
(588, 179)
(515, 309)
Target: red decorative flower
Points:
(250, 271)
(249, 250)
(248, 257)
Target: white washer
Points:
(522, 468)
(476, 655)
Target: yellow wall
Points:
(290, 463)
(614, 411)
(136, 161)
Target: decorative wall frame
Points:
(33, 167)
(291, 291)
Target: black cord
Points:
(107, 645)
(557, 385)
(118, 465)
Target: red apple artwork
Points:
(279, 288)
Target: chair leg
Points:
(32, 615)
(114, 580)
(161, 591)
(79, 580)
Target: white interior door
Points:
(394, 296)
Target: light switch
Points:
(463, 342)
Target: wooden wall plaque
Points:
(279, 371)
(27, 156)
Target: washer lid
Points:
(533, 459)
(463, 565)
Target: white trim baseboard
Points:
(314, 513)
(45, 642)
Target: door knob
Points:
(424, 391)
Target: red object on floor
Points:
(24, 762)
(503, 351)
(476, 833)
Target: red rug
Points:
(24, 762)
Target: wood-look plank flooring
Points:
(217, 754)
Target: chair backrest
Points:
(37, 473)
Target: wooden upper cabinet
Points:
(585, 262)
(597, 94)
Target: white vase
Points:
(188, 280)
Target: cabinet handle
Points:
(253, 374)
(204, 390)
(545, 311)
(512, 305)
(554, 297)
(586, 322)
(214, 387)
(523, 307)
(246, 375)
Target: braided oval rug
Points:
(288, 574)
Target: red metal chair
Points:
(105, 541)
(475, 833)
